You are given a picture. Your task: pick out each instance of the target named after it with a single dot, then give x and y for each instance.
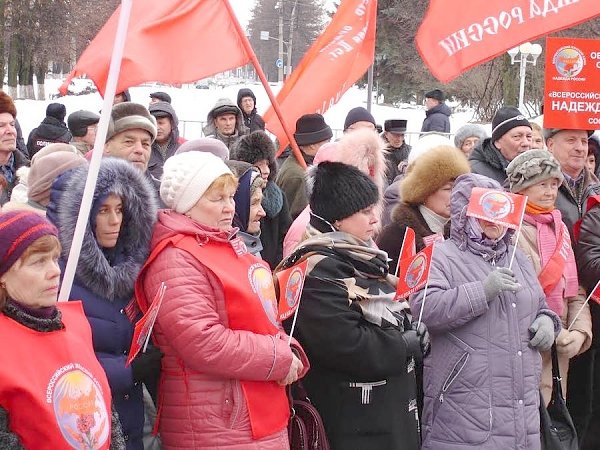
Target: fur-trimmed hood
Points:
(111, 279)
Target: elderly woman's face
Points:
(34, 280)
(215, 208)
(543, 193)
(491, 230)
(469, 144)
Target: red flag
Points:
(144, 326)
(408, 248)
(453, 39)
(503, 208)
(291, 282)
(414, 272)
(340, 56)
(172, 41)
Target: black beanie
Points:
(340, 191)
(311, 129)
(161, 96)
(436, 94)
(56, 110)
(507, 118)
(358, 114)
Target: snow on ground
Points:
(192, 106)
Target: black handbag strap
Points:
(556, 378)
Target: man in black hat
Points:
(225, 123)
(159, 97)
(83, 125)
(437, 114)
(311, 133)
(398, 150)
(52, 129)
(511, 136)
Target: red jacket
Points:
(205, 408)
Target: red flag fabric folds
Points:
(291, 283)
(340, 56)
(455, 36)
(172, 41)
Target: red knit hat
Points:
(18, 230)
(7, 105)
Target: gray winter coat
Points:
(481, 380)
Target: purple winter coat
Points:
(481, 380)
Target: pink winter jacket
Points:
(205, 408)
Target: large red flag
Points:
(456, 36)
(500, 207)
(340, 56)
(172, 41)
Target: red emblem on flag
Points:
(503, 208)
(291, 282)
(413, 273)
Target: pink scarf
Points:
(567, 284)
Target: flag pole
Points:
(517, 235)
(583, 306)
(423, 303)
(265, 83)
(90, 184)
(293, 323)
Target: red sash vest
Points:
(52, 386)
(251, 305)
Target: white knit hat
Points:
(427, 142)
(187, 176)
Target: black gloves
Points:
(417, 341)
(146, 365)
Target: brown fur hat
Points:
(128, 116)
(7, 105)
(431, 171)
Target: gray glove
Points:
(542, 333)
(498, 280)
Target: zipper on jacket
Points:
(236, 399)
(456, 370)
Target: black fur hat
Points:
(340, 190)
(255, 147)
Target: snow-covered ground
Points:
(192, 106)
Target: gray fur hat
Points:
(129, 116)
(530, 168)
(467, 131)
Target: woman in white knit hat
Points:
(226, 360)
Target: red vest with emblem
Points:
(52, 386)
(251, 305)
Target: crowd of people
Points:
(464, 363)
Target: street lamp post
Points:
(526, 50)
(264, 36)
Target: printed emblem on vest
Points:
(261, 281)
(79, 407)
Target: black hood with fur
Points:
(110, 273)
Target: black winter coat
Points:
(437, 119)
(274, 226)
(487, 160)
(50, 131)
(346, 350)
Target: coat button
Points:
(514, 305)
(126, 437)
(122, 311)
(519, 353)
(520, 402)
(126, 397)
